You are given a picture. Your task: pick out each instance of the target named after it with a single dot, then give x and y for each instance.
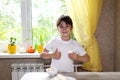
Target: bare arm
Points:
(76, 57)
(45, 54)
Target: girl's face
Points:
(64, 29)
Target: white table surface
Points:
(76, 75)
(36, 76)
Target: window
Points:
(32, 22)
(44, 16)
(10, 21)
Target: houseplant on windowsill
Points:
(12, 46)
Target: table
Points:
(76, 75)
(36, 76)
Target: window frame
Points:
(26, 22)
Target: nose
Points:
(64, 28)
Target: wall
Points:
(105, 35)
(117, 37)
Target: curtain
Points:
(85, 15)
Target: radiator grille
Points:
(19, 69)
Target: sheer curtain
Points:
(85, 15)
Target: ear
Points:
(71, 28)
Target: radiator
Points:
(19, 69)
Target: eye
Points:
(67, 26)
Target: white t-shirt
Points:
(64, 64)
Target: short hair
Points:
(66, 19)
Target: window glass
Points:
(44, 16)
(10, 20)
(14, 13)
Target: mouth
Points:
(65, 32)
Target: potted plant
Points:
(41, 36)
(12, 46)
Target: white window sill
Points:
(19, 55)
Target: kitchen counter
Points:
(76, 75)
(20, 55)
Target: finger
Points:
(59, 52)
(56, 50)
(70, 55)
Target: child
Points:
(64, 50)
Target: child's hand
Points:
(73, 56)
(57, 54)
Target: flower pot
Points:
(12, 49)
(40, 48)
